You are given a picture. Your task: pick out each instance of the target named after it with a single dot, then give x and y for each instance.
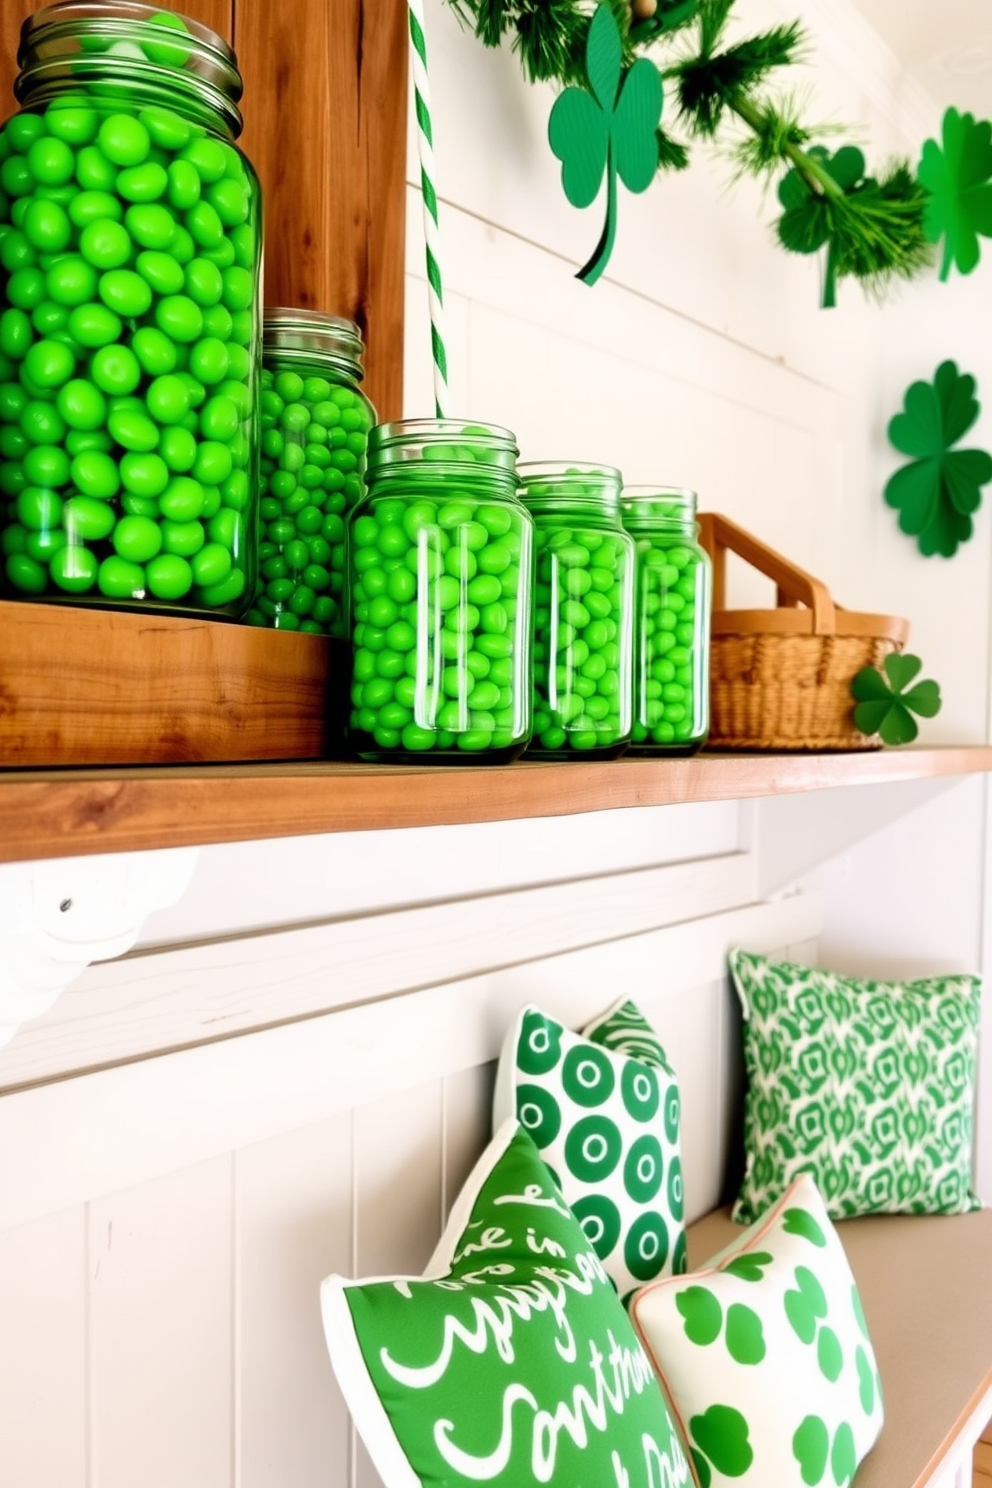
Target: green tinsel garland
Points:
(872, 228)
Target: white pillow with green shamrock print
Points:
(511, 1361)
(765, 1357)
(607, 1124)
(869, 1086)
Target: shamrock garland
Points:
(939, 491)
(610, 128)
(884, 707)
(872, 228)
(959, 181)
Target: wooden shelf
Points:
(61, 813)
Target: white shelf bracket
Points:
(59, 915)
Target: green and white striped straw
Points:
(425, 146)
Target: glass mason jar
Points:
(671, 621)
(130, 237)
(583, 608)
(315, 429)
(440, 554)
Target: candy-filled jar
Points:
(315, 427)
(583, 606)
(130, 240)
(671, 621)
(439, 582)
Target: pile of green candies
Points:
(670, 678)
(438, 660)
(581, 640)
(130, 244)
(314, 438)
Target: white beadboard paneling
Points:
(691, 1026)
(43, 1353)
(67, 1141)
(398, 1198)
(468, 1101)
(162, 1345)
(293, 1226)
(149, 1002)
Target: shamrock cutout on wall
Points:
(884, 707)
(959, 182)
(610, 127)
(937, 494)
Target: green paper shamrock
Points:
(883, 705)
(610, 127)
(937, 493)
(805, 225)
(959, 182)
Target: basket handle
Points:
(794, 585)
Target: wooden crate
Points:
(99, 687)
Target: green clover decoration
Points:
(959, 182)
(884, 707)
(940, 490)
(609, 126)
(808, 219)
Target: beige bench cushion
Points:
(926, 1285)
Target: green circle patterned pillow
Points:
(765, 1356)
(606, 1123)
(869, 1086)
(511, 1361)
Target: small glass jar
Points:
(315, 430)
(130, 335)
(583, 609)
(671, 621)
(440, 553)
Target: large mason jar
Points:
(315, 423)
(583, 598)
(130, 240)
(440, 554)
(671, 621)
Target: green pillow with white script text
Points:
(511, 1361)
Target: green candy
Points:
(127, 332)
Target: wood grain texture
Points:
(325, 127)
(72, 813)
(80, 686)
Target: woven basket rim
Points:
(786, 621)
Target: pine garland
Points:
(872, 229)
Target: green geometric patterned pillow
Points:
(765, 1357)
(867, 1085)
(607, 1125)
(511, 1361)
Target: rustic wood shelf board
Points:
(74, 812)
(97, 687)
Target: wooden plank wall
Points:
(325, 127)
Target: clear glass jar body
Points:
(130, 334)
(439, 582)
(583, 610)
(315, 427)
(671, 621)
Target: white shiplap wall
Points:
(298, 1055)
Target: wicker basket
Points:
(781, 679)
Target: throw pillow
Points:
(765, 1356)
(607, 1124)
(511, 1361)
(869, 1086)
